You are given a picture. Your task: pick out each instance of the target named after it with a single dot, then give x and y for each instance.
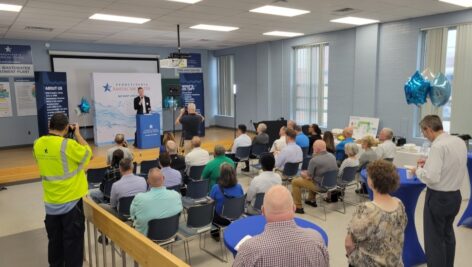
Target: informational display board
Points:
(364, 126)
(113, 100)
(192, 92)
(5, 98)
(16, 61)
(51, 97)
(25, 95)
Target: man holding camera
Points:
(190, 121)
(61, 163)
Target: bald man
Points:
(157, 203)
(347, 133)
(190, 121)
(197, 156)
(282, 243)
(321, 162)
(386, 149)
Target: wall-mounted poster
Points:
(16, 61)
(364, 126)
(25, 95)
(5, 98)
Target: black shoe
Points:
(311, 203)
(361, 191)
(215, 236)
(300, 211)
(100, 240)
(245, 170)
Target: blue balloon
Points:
(84, 105)
(416, 89)
(440, 90)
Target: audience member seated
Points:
(280, 143)
(197, 156)
(157, 203)
(351, 150)
(290, 153)
(120, 143)
(227, 187)
(328, 137)
(177, 162)
(212, 169)
(241, 140)
(262, 137)
(168, 136)
(376, 231)
(282, 243)
(310, 179)
(301, 139)
(112, 174)
(386, 149)
(291, 124)
(314, 133)
(365, 158)
(261, 183)
(172, 177)
(347, 134)
(129, 185)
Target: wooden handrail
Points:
(136, 245)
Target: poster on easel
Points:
(364, 126)
(5, 98)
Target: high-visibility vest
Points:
(61, 164)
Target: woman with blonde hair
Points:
(369, 155)
(167, 136)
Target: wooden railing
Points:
(124, 241)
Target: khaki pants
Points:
(297, 185)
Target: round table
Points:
(254, 225)
(466, 218)
(408, 192)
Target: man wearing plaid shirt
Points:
(282, 243)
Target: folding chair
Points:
(290, 170)
(328, 184)
(124, 205)
(347, 179)
(164, 231)
(95, 176)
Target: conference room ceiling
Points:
(68, 20)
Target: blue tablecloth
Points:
(408, 193)
(254, 225)
(466, 218)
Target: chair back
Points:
(259, 201)
(107, 187)
(233, 208)
(124, 205)
(195, 172)
(146, 165)
(243, 153)
(291, 169)
(330, 180)
(160, 230)
(389, 159)
(201, 215)
(363, 166)
(95, 176)
(306, 161)
(259, 149)
(349, 174)
(175, 188)
(197, 189)
(135, 167)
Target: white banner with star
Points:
(16, 61)
(113, 100)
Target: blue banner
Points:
(51, 97)
(194, 61)
(192, 92)
(16, 61)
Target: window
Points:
(310, 84)
(225, 72)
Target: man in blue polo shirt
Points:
(301, 140)
(347, 133)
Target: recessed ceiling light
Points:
(464, 3)
(354, 20)
(186, 1)
(108, 17)
(284, 34)
(279, 11)
(214, 28)
(8, 7)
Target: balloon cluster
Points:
(422, 85)
(83, 107)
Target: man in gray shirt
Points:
(262, 137)
(172, 177)
(310, 179)
(129, 185)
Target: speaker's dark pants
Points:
(440, 209)
(66, 237)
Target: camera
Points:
(70, 131)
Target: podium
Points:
(148, 130)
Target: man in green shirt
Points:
(212, 169)
(157, 203)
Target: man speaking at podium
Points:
(142, 105)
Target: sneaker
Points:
(311, 203)
(245, 170)
(100, 240)
(215, 236)
(300, 211)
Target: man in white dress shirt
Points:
(242, 140)
(386, 148)
(443, 172)
(197, 156)
(280, 143)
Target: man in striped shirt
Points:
(282, 243)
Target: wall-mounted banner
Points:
(25, 95)
(113, 98)
(16, 61)
(51, 97)
(192, 92)
(5, 98)
(194, 61)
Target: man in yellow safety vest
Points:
(61, 163)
